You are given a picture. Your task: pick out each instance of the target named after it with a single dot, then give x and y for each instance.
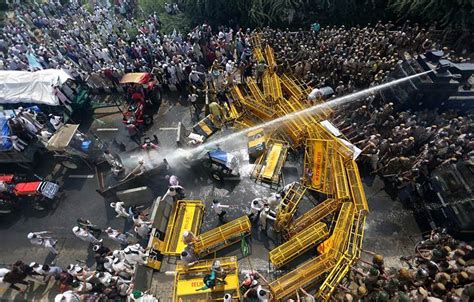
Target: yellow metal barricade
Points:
(334, 278)
(343, 226)
(303, 275)
(317, 163)
(222, 236)
(270, 56)
(189, 279)
(258, 55)
(298, 244)
(357, 190)
(317, 213)
(288, 206)
(290, 87)
(187, 215)
(340, 177)
(269, 165)
(257, 94)
(275, 87)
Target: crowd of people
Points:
(48, 36)
(111, 278)
(403, 146)
(441, 269)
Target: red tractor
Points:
(14, 193)
(145, 98)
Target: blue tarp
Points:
(219, 156)
(5, 143)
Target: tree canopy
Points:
(453, 14)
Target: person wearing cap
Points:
(56, 121)
(188, 257)
(176, 192)
(122, 268)
(142, 228)
(264, 216)
(256, 206)
(134, 255)
(38, 238)
(51, 271)
(117, 236)
(218, 209)
(85, 235)
(274, 201)
(119, 209)
(68, 296)
(139, 296)
(227, 298)
(263, 295)
(189, 238)
(173, 180)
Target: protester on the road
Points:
(39, 238)
(85, 235)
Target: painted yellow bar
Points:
(303, 275)
(334, 278)
(272, 160)
(317, 213)
(256, 142)
(343, 225)
(222, 236)
(188, 279)
(317, 164)
(205, 128)
(342, 186)
(188, 287)
(357, 190)
(187, 215)
(288, 206)
(298, 244)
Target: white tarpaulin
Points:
(336, 132)
(31, 87)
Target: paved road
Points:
(389, 227)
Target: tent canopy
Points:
(31, 87)
(136, 77)
(61, 139)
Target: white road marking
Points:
(107, 129)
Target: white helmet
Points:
(186, 233)
(31, 236)
(75, 229)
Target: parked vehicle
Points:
(13, 193)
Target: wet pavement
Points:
(390, 230)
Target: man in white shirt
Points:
(217, 207)
(263, 217)
(256, 206)
(38, 238)
(119, 209)
(85, 235)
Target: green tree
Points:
(457, 14)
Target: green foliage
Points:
(301, 13)
(180, 22)
(448, 13)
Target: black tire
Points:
(70, 164)
(217, 176)
(148, 120)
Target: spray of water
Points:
(311, 110)
(175, 155)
